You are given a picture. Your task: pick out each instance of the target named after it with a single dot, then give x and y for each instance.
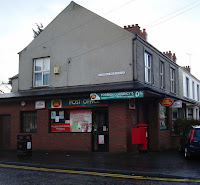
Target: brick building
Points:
(79, 55)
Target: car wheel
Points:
(187, 155)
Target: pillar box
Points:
(139, 136)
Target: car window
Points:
(197, 133)
(189, 133)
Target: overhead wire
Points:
(171, 13)
(153, 25)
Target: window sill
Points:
(41, 87)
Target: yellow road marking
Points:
(99, 174)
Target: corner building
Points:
(84, 83)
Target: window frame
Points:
(67, 122)
(42, 71)
(187, 83)
(148, 67)
(197, 92)
(193, 93)
(162, 74)
(172, 79)
(23, 125)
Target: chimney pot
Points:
(136, 30)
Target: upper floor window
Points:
(193, 90)
(187, 87)
(172, 79)
(147, 63)
(197, 92)
(162, 74)
(41, 72)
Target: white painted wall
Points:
(191, 78)
(93, 44)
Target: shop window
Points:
(163, 118)
(71, 120)
(174, 117)
(29, 122)
(41, 72)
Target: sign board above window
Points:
(166, 102)
(39, 104)
(117, 95)
(56, 104)
(177, 104)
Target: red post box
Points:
(139, 136)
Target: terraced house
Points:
(84, 83)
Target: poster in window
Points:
(81, 120)
(57, 119)
(60, 127)
(163, 118)
(53, 114)
(61, 115)
(101, 140)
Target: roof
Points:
(196, 126)
(49, 93)
(16, 76)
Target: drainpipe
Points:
(133, 61)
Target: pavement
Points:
(171, 164)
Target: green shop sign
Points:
(117, 95)
(79, 102)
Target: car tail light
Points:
(192, 135)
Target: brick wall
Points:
(43, 140)
(131, 120)
(117, 126)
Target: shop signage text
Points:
(76, 102)
(39, 104)
(177, 104)
(117, 95)
(166, 102)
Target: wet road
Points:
(15, 175)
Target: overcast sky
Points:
(171, 25)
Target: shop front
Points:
(83, 116)
(91, 121)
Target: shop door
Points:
(100, 132)
(4, 131)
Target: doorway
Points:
(5, 131)
(100, 131)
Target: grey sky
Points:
(178, 30)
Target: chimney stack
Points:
(136, 30)
(187, 68)
(170, 55)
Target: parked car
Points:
(190, 142)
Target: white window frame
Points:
(197, 92)
(187, 87)
(42, 71)
(147, 64)
(172, 79)
(193, 93)
(161, 74)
